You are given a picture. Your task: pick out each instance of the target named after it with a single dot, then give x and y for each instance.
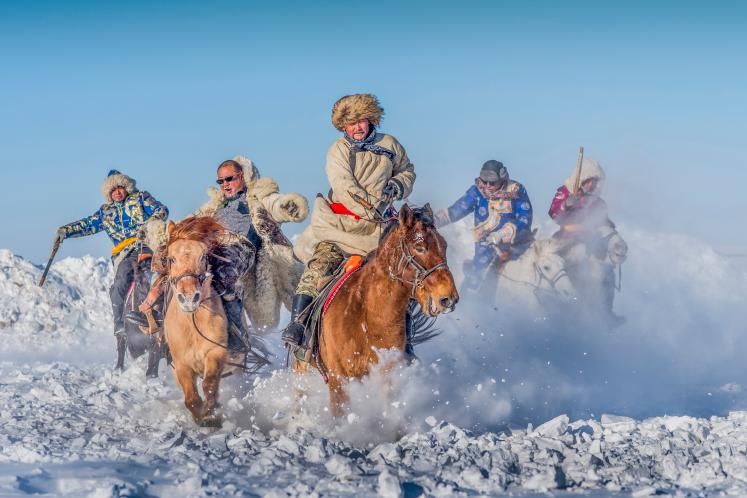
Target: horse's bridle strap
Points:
(421, 273)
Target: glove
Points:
(382, 207)
(290, 207)
(571, 202)
(60, 235)
(505, 235)
(394, 189)
(442, 218)
(618, 252)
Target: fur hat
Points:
(116, 179)
(590, 168)
(352, 108)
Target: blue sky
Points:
(165, 91)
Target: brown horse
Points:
(195, 324)
(368, 312)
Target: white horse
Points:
(535, 281)
(591, 267)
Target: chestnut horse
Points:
(195, 324)
(368, 311)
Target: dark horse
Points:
(136, 341)
(368, 312)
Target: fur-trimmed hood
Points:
(589, 169)
(116, 179)
(352, 108)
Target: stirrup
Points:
(302, 353)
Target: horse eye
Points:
(420, 249)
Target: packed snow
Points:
(500, 403)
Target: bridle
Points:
(421, 273)
(200, 277)
(551, 280)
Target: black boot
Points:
(293, 335)
(121, 348)
(237, 333)
(154, 358)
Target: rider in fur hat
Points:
(123, 215)
(366, 171)
(503, 220)
(587, 233)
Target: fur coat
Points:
(276, 273)
(366, 180)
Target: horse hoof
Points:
(213, 421)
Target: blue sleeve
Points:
(464, 205)
(152, 208)
(86, 226)
(522, 208)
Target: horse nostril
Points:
(180, 298)
(196, 298)
(445, 302)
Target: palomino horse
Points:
(368, 311)
(195, 323)
(536, 280)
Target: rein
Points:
(421, 273)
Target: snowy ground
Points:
(472, 419)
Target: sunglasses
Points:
(221, 181)
(494, 183)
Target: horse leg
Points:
(186, 378)
(338, 398)
(210, 387)
(154, 357)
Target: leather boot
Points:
(293, 334)
(238, 336)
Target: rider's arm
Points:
(465, 205)
(152, 208)
(522, 209)
(286, 208)
(558, 210)
(403, 170)
(343, 183)
(86, 226)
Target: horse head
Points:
(188, 250)
(418, 259)
(551, 268)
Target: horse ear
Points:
(428, 212)
(405, 215)
(170, 227)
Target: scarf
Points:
(369, 145)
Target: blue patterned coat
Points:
(120, 220)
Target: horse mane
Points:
(420, 215)
(204, 229)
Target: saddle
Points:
(318, 307)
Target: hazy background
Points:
(655, 91)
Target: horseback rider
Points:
(503, 220)
(584, 223)
(124, 214)
(367, 170)
(252, 208)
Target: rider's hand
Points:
(441, 218)
(504, 235)
(571, 202)
(60, 235)
(394, 189)
(382, 207)
(290, 207)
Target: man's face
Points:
(230, 180)
(590, 185)
(119, 194)
(358, 130)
